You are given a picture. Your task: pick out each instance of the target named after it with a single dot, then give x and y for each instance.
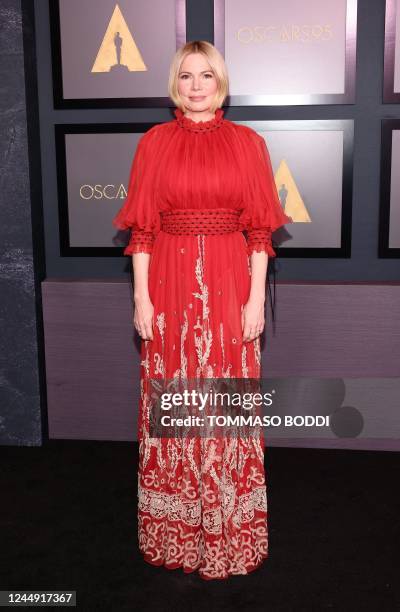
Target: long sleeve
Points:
(262, 213)
(139, 211)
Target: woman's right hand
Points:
(143, 317)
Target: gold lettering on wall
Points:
(118, 50)
(98, 192)
(285, 34)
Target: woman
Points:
(196, 182)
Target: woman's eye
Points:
(208, 75)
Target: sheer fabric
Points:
(181, 164)
(202, 501)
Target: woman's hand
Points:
(143, 317)
(253, 318)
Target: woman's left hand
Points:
(253, 319)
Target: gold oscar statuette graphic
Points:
(289, 195)
(118, 50)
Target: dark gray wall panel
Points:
(367, 113)
(20, 264)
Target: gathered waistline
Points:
(200, 221)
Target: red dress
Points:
(202, 502)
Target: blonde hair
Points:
(217, 63)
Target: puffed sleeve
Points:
(262, 210)
(139, 211)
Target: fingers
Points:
(148, 330)
(145, 330)
(253, 320)
(144, 327)
(251, 332)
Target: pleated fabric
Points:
(202, 502)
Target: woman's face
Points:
(197, 84)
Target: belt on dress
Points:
(200, 221)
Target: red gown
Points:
(202, 502)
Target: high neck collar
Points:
(199, 126)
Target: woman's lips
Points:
(197, 98)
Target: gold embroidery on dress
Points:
(215, 485)
(159, 359)
(203, 341)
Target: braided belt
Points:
(200, 221)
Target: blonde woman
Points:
(196, 183)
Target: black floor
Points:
(68, 521)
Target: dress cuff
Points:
(260, 240)
(140, 242)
